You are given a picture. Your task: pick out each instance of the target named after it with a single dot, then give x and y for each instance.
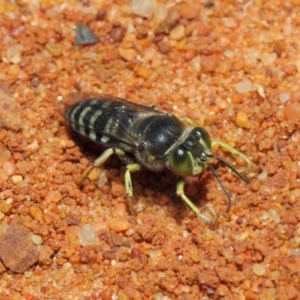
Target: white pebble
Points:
(283, 97)
(295, 252)
(87, 235)
(259, 269)
(274, 215)
(262, 175)
(16, 179)
(229, 22)
(143, 8)
(13, 54)
(102, 179)
(244, 86)
(36, 239)
(177, 33)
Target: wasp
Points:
(143, 136)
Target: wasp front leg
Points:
(191, 205)
(225, 146)
(234, 151)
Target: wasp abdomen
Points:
(95, 119)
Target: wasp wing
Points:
(108, 120)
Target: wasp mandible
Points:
(143, 136)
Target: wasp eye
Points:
(201, 133)
(181, 161)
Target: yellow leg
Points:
(224, 146)
(101, 160)
(234, 152)
(190, 121)
(191, 205)
(128, 184)
(133, 167)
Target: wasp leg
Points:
(101, 160)
(189, 121)
(225, 146)
(234, 152)
(128, 184)
(191, 205)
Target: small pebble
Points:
(5, 206)
(14, 70)
(53, 196)
(87, 235)
(36, 239)
(242, 120)
(13, 54)
(16, 179)
(143, 72)
(244, 86)
(36, 213)
(143, 8)
(209, 63)
(22, 166)
(292, 111)
(177, 33)
(224, 66)
(119, 225)
(117, 34)
(189, 11)
(283, 97)
(259, 269)
(136, 252)
(9, 167)
(290, 69)
(229, 22)
(94, 174)
(84, 35)
(127, 54)
(54, 48)
(102, 179)
(194, 252)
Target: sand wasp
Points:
(143, 136)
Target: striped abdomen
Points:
(101, 120)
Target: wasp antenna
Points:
(230, 167)
(221, 184)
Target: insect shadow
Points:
(146, 179)
(162, 182)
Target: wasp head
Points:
(192, 156)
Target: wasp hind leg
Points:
(130, 168)
(101, 160)
(191, 205)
